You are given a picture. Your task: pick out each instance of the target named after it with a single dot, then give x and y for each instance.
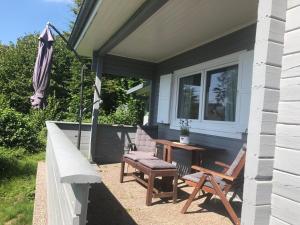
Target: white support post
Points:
(96, 108)
(263, 112)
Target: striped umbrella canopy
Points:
(41, 74)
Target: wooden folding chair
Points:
(215, 183)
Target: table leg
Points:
(150, 189)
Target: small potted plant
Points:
(184, 131)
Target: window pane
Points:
(189, 97)
(220, 96)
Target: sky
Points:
(21, 17)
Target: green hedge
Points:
(16, 130)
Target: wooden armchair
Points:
(215, 183)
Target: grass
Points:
(17, 186)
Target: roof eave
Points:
(81, 20)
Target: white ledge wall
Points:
(286, 175)
(263, 112)
(69, 176)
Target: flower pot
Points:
(184, 139)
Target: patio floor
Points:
(113, 203)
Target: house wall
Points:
(121, 66)
(240, 40)
(226, 148)
(285, 205)
(111, 142)
(263, 112)
(234, 42)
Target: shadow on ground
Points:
(215, 205)
(105, 209)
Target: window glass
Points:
(189, 97)
(220, 94)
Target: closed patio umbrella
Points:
(41, 74)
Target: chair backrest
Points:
(144, 138)
(238, 164)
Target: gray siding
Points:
(116, 65)
(111, 140)
(286, 175)
(226, 148)
(234, 42)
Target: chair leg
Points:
(194, 193)
(175, 188)
(122, 171)
(225, 202)
(150, 189)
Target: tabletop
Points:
(175, 144)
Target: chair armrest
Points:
(212, 173)
(131, 147)
(222, 164)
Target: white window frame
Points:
(231, 129)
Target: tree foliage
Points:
(16, 66)
(16, 70)
(76, 6)
(17, 63)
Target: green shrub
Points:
(17, 131)
(126, 114)
(37, 117)
(8, 159)
(4, 103)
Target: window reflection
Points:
(220, 94)
(189, 97)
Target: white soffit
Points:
(181, 25)
(110, 16)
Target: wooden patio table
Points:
(170, 145)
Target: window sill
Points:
(220, 133)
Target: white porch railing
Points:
(69, 175)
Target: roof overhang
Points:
(156, 30)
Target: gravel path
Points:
(112, 203)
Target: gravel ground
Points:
(112, 203)
(40, 201)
